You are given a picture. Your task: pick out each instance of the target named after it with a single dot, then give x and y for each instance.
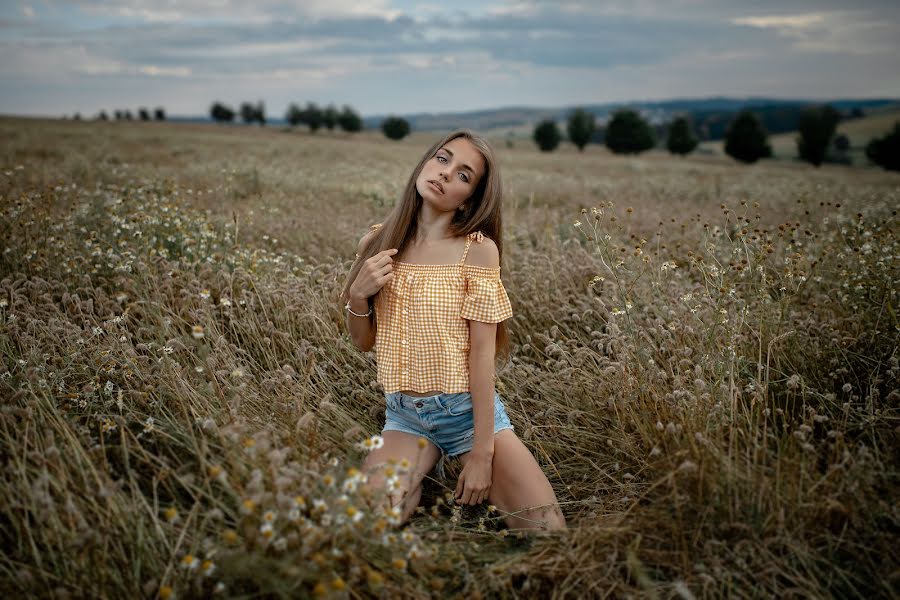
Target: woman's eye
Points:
(464, 177)
(442, 159)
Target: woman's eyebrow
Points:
(447, 150)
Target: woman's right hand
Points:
(373, 275)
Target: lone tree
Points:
(817, 125)
(159, 114)
(396, 128)
(221, 113)
(349, 120)
(885, 151)
(746, 140)
(681, 139)
(103, 116)
(580, 128)
(547, 135)
(144, 114)
(629, 133)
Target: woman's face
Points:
(451, 175)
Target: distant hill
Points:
(710, 115)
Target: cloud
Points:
(526, 52)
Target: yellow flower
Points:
(328, 480)
(399, 564)
(338, 584)
(230, 536)
(171, 514)
(166, 593)
(248, 506)
(422, 442)
(197, 332)
(320, 589)
(375, 578)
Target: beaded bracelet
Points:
(347, 306)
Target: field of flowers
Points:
(705, 363)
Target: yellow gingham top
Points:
(422, 337)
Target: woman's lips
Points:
(436, 186)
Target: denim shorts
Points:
(446, 420)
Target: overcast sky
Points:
(383, 56)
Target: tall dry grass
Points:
(705, 364)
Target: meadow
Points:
(704, 362)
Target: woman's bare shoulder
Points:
(483, 253)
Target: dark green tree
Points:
(746, 140)
(128, 115)
(547, 135)
(103, 116)
(885, 151)
(681, 139)
(395, 128)
(119, 115)
(293, 115)
(259, 113)
(580, 127)
(159, 114)
(248, 112)
(629, 133)
(330, 117)
(312, 116)
(143, 114)
(221, 113)
(349, 120)
(816, 127)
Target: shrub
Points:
(159, 114)
(681, 139)
(580, 128)
(746, 140)
(816, 127)
(629, 133)
(396, 128)
(885, 151)
(144, 114)
(546, 135)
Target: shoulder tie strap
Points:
(475, 235)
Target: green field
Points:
(704, 362)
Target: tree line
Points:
(143, 114)
(746, 139)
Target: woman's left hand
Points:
(474, 483)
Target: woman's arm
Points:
(362, 329)
(482, 342)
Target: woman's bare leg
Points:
(399, 445)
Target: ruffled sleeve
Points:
(485, 298)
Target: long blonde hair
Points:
(481, 213)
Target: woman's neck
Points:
(432, 226)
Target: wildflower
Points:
(372, 443)
(492, 508)
(219, 587)
(148, 425)
(4, 303)
(414, 552)
(171, 514)
(197, 332)
(166, 593)
(655, 451)
(267, 530)
(393, 515)
(207, 567)
(190, 562)
(237, 373)
(374, 578)
(204, 293)
(224, 301)
(198, 369)
(666, 266)
(338, 584)
(299, 502)
(248, 506)
(422, 442)
(399, 564)
(268, 516)
(320, 505)
(403, 465)
(577, 224)
(596, 279)
(354, 514)
(407, 536)
(328, 480)
(168, 349)
(230, 536)
(108, 388)
(320, 589)
(847, 388)
(97, 331)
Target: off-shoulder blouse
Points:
(422, 335)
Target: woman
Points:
(425, 291)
